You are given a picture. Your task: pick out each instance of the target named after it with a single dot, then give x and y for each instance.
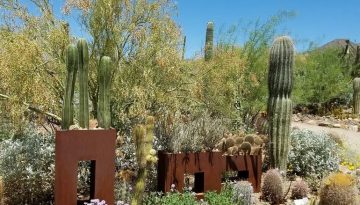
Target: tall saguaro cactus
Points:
(71, 66)
(104, 79)
(280, 83)
(209, 41)
(83, 83)
(145, 155)
(356, 96)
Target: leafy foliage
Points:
(27, 167)
(312, 153)
(319, 77)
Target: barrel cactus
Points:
(83, 83)
(104, 79)
(272, 187)
(356, 95)
(279, 103)
(209, 41)
(71, 66)
(338, 189)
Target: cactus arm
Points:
(279, 103)
(209, 41)
(104, 79)
(71, 65)
(83, 83)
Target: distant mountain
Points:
(340, 43)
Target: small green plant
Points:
(223, 198)
(339, 189)
(272, 187)
(242, 192)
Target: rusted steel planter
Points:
(209, 166)
(79, 145)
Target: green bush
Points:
(27, 168)
(312, 153)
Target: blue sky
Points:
(319, 21)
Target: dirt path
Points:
(351, 138)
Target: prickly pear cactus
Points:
(83, 83)
(280, 83)
(71, 66)
(209, 41)
(104, 79)
(356, 96)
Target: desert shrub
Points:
(242, 193)
(339, 189)
(320, 77)
(299, 189)
(27, 168)
(312, 153)
(171, 198)
(272, 187)
(198, 134)
(1, 191)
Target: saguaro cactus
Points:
(72, 66)
(104, 79)
(183, 48)
(145, 155)
(279, 103)
(209, 41)
(356, 95)
(83, 83)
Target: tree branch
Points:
(55, 119)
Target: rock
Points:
(303, 201)
(311, 122)
(336, 125)
(324, 124)
(356, 119)
(296, 118)
(357, 172)
(354, 128)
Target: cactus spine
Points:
(209, 41)
(279, 103)
(104, 79)
(71, 66)
(83, 83)
(145, 155)
(356, 96)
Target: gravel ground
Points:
(351, 138)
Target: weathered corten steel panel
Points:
(172, 167)
(73, 146)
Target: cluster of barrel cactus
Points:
(77, 60)
(234, 144)
(280, 83)
(145, 155)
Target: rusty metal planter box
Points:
(73, 146)
(211, 165)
